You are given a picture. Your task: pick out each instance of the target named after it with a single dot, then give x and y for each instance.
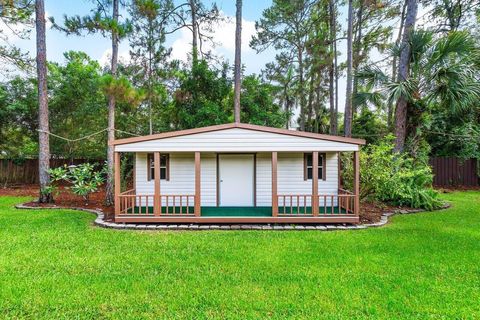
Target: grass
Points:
(54, 264)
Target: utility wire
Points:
(87, 136)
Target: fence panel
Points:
(452, 172)
(26, 171)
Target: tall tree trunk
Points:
(193, 10)
(311, 94)
(43, 135)
(331, 96)
(301, 90)
(356, 54)
(238, 62)
(111, 112)
(394, 64)
(403, 71)
(331, 70)
(150, 88)
(335, 62)
(288, 107)
(348, 95)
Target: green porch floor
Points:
(238, 211)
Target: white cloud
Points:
(223, 36)
(105, 59)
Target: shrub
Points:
(83, 178)
(56, 175)
(393, 178)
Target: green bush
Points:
(393, 178)
(83, 178)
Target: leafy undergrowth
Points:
(54, 264)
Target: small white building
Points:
(236, 173)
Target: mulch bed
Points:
(65, 198)
(369, 213)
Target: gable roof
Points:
(179, 133)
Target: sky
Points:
(99, 48)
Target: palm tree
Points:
(442, 75)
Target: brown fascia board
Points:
(241, 126)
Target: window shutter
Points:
(305, 171)
(167, 175)
(324, 165)
(149, 171)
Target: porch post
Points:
(356, 181)
(117, 182)
(314, 201)
(157, 209)
(274, 185)
(197, 185)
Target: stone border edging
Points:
(99, 221)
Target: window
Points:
(164, 167)
(308, 166)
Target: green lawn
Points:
(54, 264)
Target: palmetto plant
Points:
(444, 73)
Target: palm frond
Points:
(406, 89)
(419, 42)
(372, 76)
(458, 43)
(369, 98)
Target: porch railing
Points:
(143, 204)
(342, 203)
(346, 201)
(178, 204)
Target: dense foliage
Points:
(394, 178)
(201, 96)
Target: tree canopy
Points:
(298, 89)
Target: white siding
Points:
(290, 176)
(182, 177)
(264, 179)
(236, 140)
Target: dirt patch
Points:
(65, 198)
(29, 190)
(371, 212)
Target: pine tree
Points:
(108, 24)
(238, 61)
(43, 135)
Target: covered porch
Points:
(132, 206)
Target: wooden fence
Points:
(453, 172)
(26, 171)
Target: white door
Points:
(236, 180)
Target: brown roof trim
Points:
(241, 126)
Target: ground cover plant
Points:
(54, 264)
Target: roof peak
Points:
(239, 125)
